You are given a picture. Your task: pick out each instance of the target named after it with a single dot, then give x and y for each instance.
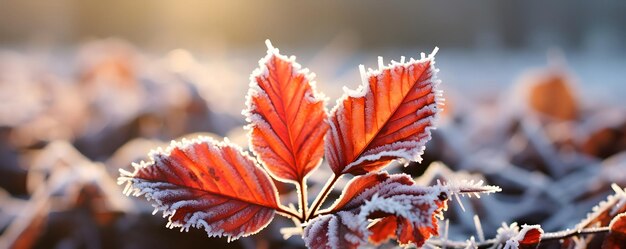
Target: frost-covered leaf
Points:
(527, 238)
(340, 230)
(356, 187)
(617, 234)
(287, 117)
(363, 188)
(395, 207)
(393, 204)
(206, 184)
(530, 236)
(388, 117)
(415, 216)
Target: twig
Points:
(287, 213)
(571, 232)
(546, 237)
(322, 196)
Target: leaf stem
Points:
(322, 196)
(287, 213)
(303, 200)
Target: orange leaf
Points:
(287, 117)
(389, 117)
(205, 183)
(383, 230)
(356, 187)
(408, 233)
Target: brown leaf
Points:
(553, 96)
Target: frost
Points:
(468, 187)
(471, 243)
(511, 244)
(620, 194)
(459, 187)
(506, 232)
(379, 195)
(340, 230)
(479, 229)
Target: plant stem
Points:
(303, 200)
(322, 196)
(288, 213)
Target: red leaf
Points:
(287, 117)
(389, 117)
(205, 183)
(617, 235)
(531, 237)
(406, 211)
(527, 238)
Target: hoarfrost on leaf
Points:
(341, 230)
(388, 117)
(286, 116)
(206, 184)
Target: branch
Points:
(546, 237)
(571, 232)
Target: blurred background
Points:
(534, 103)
